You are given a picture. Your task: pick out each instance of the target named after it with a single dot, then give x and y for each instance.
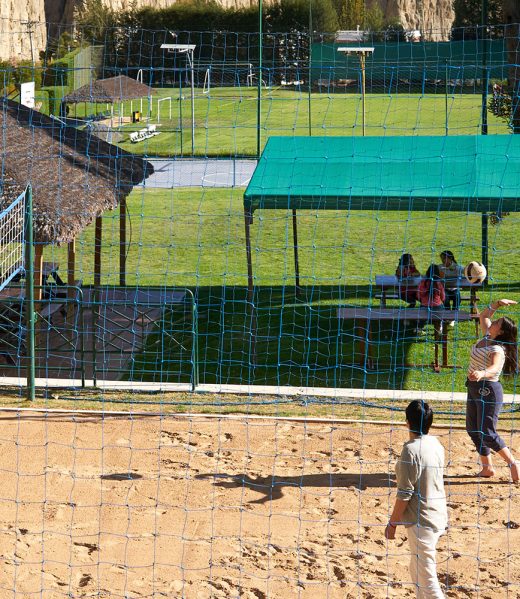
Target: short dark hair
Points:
(419, 416)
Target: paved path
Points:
(187, 172)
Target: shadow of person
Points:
(272, 486)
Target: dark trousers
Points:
(452, 297)
(484, 403)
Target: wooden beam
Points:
(247, 222)
(98, 237)
(296, 260)
(38, 271)
(71, 268)
(122, 243)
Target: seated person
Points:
(451, 273)
(430, 292)
(406, 269)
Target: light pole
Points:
(362, 53)
(188, 50)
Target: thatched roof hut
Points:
(75, 175)
(114, 89)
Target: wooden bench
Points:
(366, 316)
(142, 134)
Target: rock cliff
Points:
(433, 18)
(22, 24)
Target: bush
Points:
(42, 96)
(55, 94)
(61, 72)
(13, 74)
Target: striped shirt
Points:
(481, 357)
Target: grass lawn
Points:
(226, 119)
(195, 238)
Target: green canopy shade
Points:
(444, 173)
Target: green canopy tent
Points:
(478, 174)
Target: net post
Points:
(29, 293)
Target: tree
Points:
(512, 32)
(94, 19)
(374, 19)
(352, 14)
(468, 17)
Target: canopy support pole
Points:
(71, 270)
(485, 246)
(296, 260)
(122, 243)
(248, 219)
(97, 250)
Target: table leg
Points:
(436, 343)
(370, 361)
(364, 346)
(444, 341)
(474, 308)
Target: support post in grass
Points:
(122, 243)
(362, 53)
(310, 66)
(485, 254)
(296, 260)
(484, 33)
(259, 88)
(446, 98)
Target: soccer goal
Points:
(222, 74)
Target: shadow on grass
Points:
(288, 339)
(271, 487)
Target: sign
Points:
(27, 94)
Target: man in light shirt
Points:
(420, 504)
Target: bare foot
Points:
(489, 472)
(515, 473)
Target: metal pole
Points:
(259, 90)
(485, 242)
(29, 294)
(362, 63)
(484, 28)
(310, 65)
(180, 109)
(192, 104)
(446, 99)
(296, 260)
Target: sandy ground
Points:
(195, 507)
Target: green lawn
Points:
(226, 119)
(195, 238)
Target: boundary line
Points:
(443, 396)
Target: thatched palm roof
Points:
(75, 175)
(114, 89)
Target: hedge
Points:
(56, 93)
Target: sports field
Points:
(226, 118)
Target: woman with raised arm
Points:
(494, 353)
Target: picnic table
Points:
(391, 286)
(363, 317)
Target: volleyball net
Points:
(225, 346)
